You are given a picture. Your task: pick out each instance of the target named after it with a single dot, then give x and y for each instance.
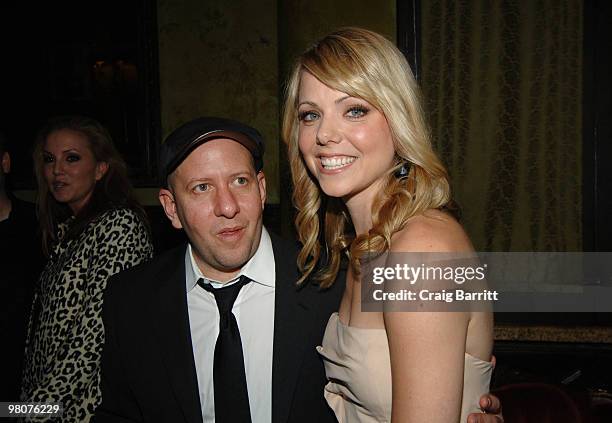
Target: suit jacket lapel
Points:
(291, 320)
(171, 318)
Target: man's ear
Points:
(5, 162)
(261, 182)
(166, 198)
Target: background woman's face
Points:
(346, 142)
(70, 168)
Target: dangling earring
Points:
(402, 172)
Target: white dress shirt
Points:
(254, 311)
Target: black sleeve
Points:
(119, 404)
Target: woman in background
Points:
(92, 227)
(363, 168)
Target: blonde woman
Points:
(92, 227)
(367, 180)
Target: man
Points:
(170, 333)
(21, 262)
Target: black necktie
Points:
(229, 378)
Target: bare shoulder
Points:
(461, 331)
(433, 230)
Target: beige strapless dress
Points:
(358, 367)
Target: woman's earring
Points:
(402, 172)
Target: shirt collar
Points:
(260, 268)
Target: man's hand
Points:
(490, 405)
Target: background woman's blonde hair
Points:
(365, 65)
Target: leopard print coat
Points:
(65, 334)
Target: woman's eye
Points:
(308, 116)
(357, 112)
(47, 158)
(73, 158)
(201, 187)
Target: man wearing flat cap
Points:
(177, 349)
(215, 330)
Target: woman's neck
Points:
(360, 210)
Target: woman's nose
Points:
(327, 132)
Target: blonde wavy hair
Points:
(365, 65)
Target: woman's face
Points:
(346, 142)
(70, 168)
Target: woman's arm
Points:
(121, 241)
(427, 348)
(427, 359)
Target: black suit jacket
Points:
(148, 370)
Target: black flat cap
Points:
(184, 139)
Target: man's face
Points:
(216, 196)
